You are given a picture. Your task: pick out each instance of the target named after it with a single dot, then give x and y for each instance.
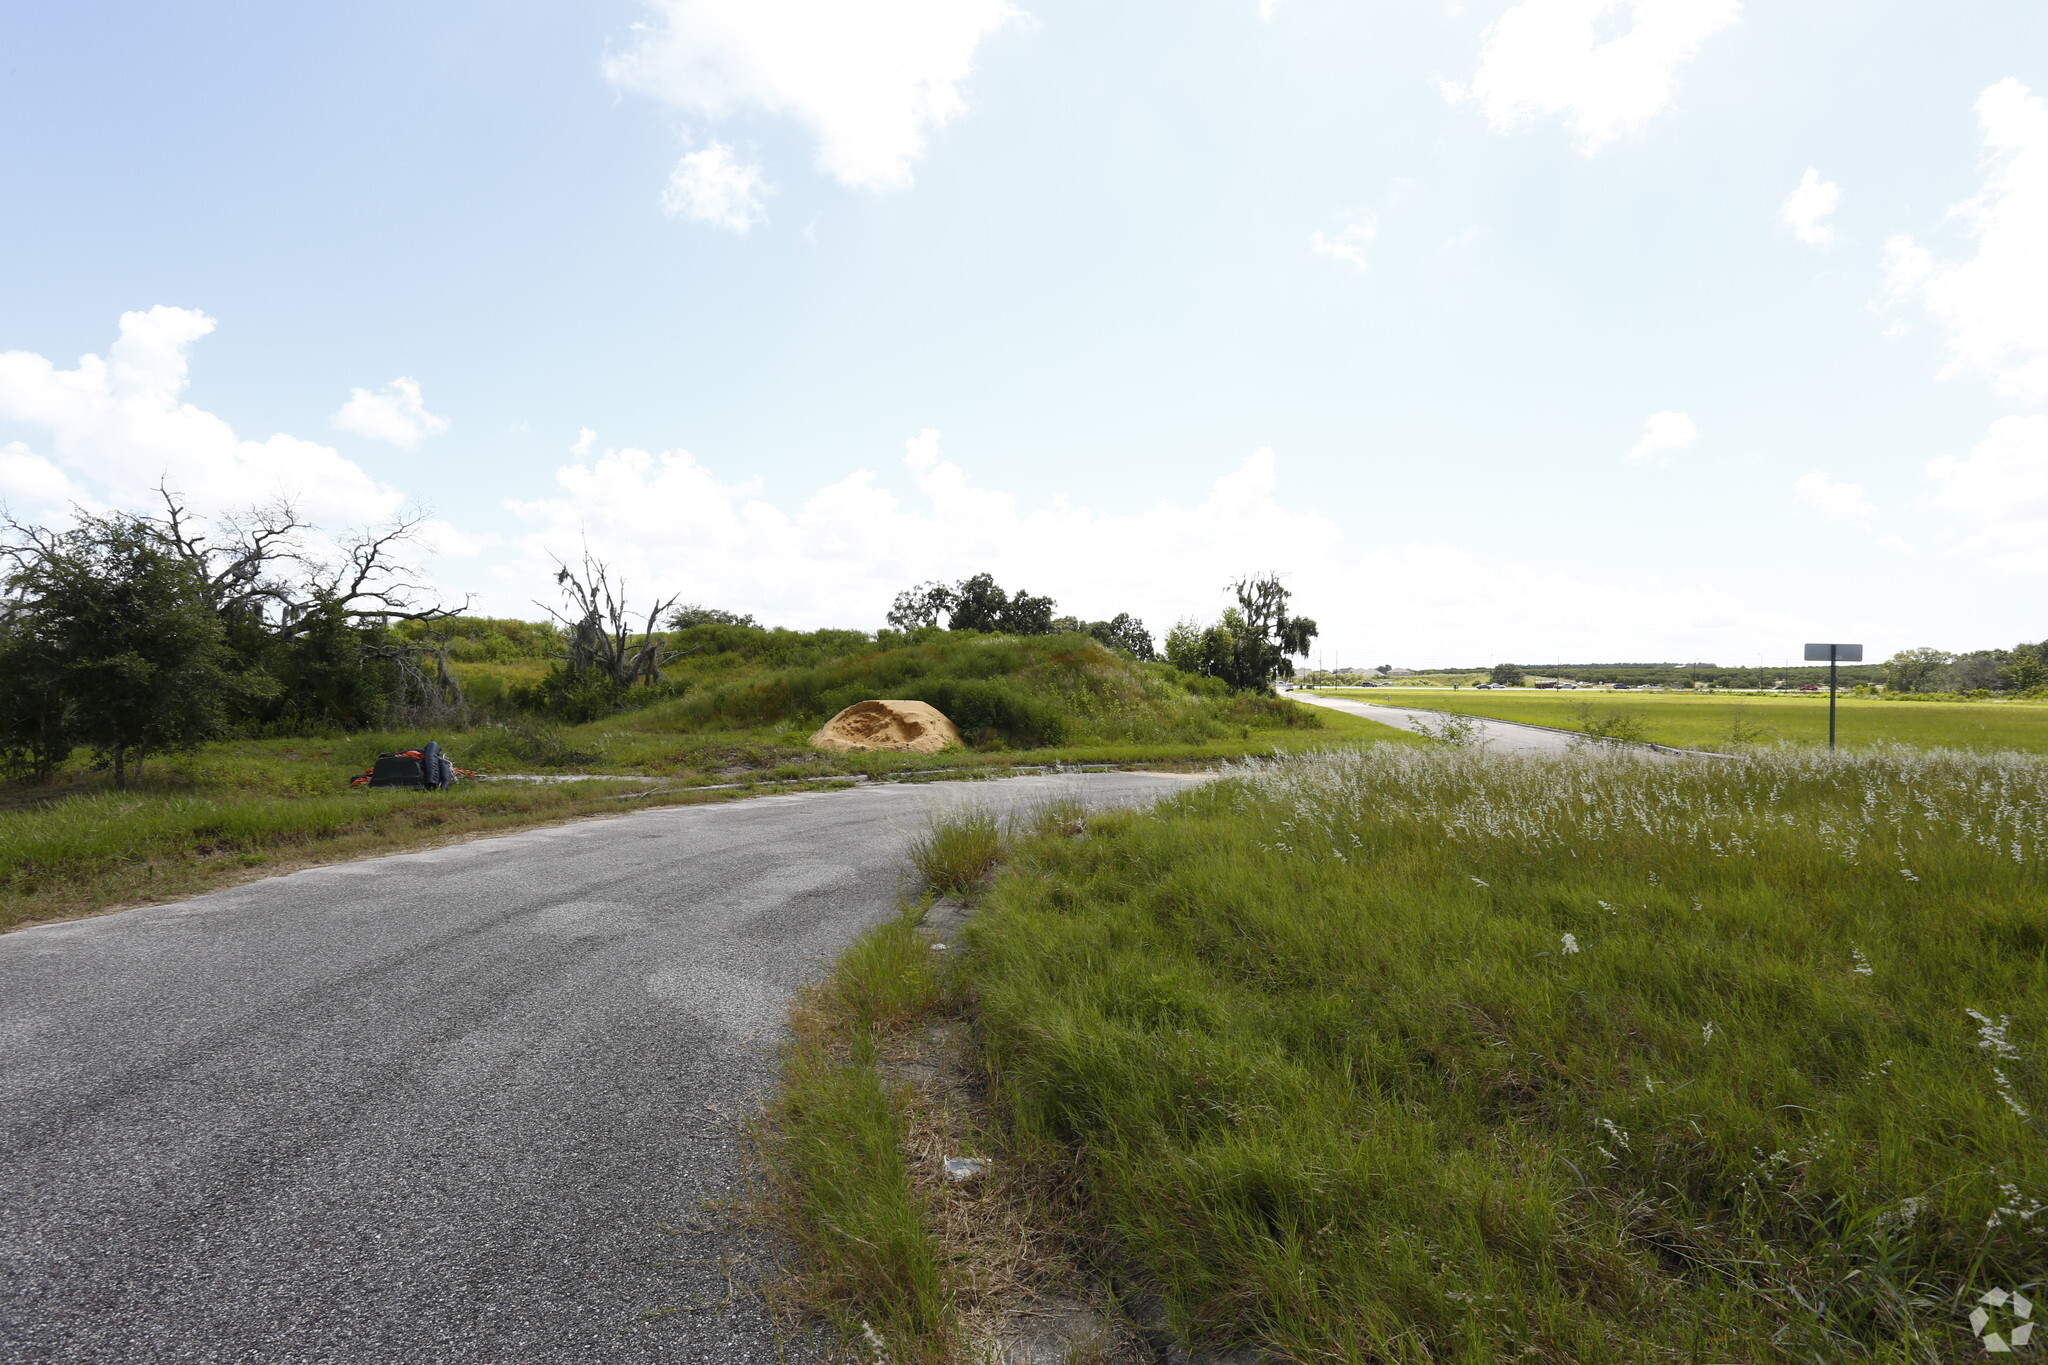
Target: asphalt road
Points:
(1501, 736)
(463, 1105)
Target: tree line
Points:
(138, 634)
(2019, 670)
(1251, 644)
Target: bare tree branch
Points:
(261, 571)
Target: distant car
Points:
(1810, 687)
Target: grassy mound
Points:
(1417, 1055)
(1030, 692)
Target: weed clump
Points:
(956, 853)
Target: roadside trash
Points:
(426, 768)
(965, 1167)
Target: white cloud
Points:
(711, 187)
(1811, 200)
(1552, 58)
(870, 78)
(2000, 490)
(394, 413)
(1845, 502)
(673, 525)
(1664, 432)
(1994, 305)
(29, 480)
(1349, 242)
(116, 426)
(1267, 8)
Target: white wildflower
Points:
(2015, 1209)
(1862, 967)
(1571, 944)
(1707, 1031)
(1902, 1217)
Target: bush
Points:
(995, 712)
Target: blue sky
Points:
(1502, 330)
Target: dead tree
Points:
(257, 569)
(428, 692)
(599, 627)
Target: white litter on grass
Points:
(938, 947)
(965, 1167)
(2018, 1332)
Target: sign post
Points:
(1834, 655)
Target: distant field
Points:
(1692, 721)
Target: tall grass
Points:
(953, 856)
(85, 851)
(833, 1149)
(1420, 1055)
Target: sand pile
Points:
(911, 726)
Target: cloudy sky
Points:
(1591, 329)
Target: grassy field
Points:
(1711, 722)
(200, 820)
(1414, 1055)
(98, 849)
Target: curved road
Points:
(463, 1105)
(1500, 736)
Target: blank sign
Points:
(1847, 654)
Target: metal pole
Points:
(1832, 652)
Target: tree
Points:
(1507, 675)
(920, 608)
(35, 719)
(124, 649)
(1917, 670)
(692, 614)
(1123, 632)
(1251, 644)
(2026, 672)
(976, 603)
(1980, 670)
(1385, 670)
(980, 604)
(1183, 647)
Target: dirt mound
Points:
(911, 726)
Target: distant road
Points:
(443, 1108)
(1502, 736)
